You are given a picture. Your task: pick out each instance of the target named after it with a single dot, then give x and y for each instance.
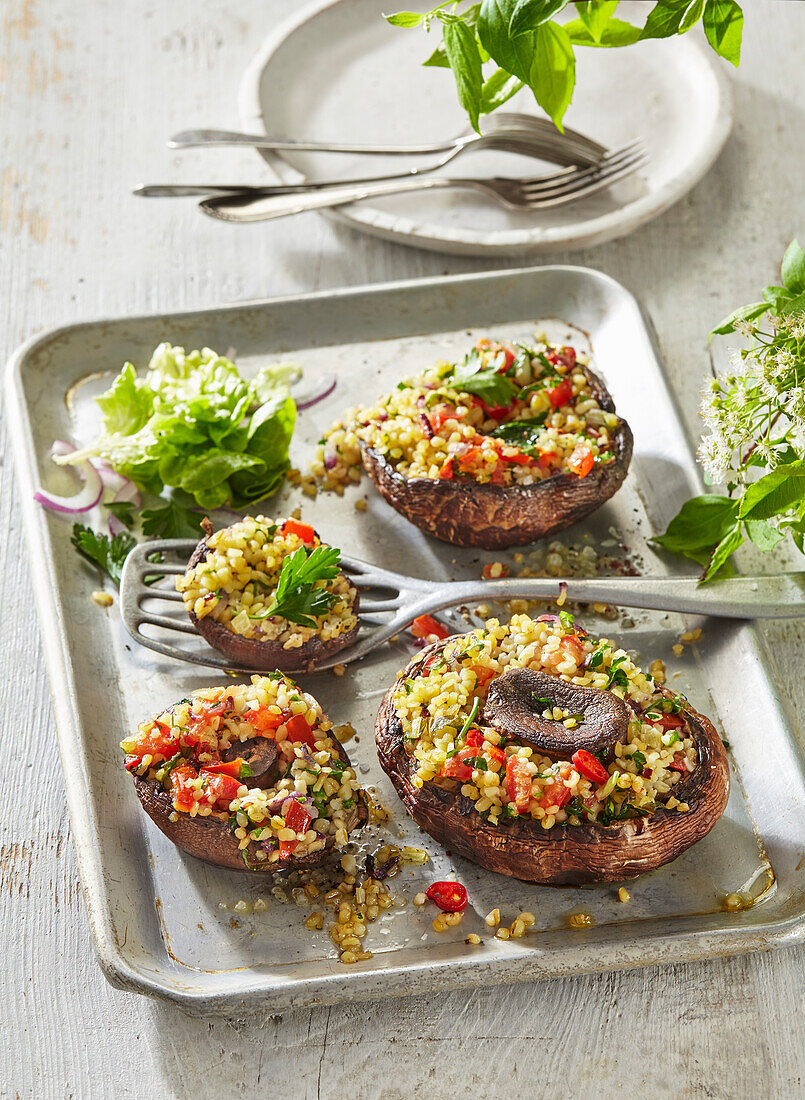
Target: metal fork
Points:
(390, 601)
(538, 193)
(523, 140)
(570, 147)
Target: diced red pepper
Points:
(561, 394)
(227, 767)
(160, 741)
(564, 356)
(181, 787)
(496, 757)
(474, 738)
(298, 819)
(508, 357)
(220, 788)
(555, 794)
(518, 783)
(592, 769)
(425, 625)
(668, 721)
(440, 415)
(450, 897)
(455, 768)
(303, 531)
(573, 647)
(448, 471)
(547, 458)
(581, 460)
(263, 720)
(299, 730)
(678, 764)
(483, 676)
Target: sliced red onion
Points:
(631, 703)
(562, 587)
(325, 387)
(330, 458)
(427, 427)
(90, 494)
(549, 619)
(109, 476)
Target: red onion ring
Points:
(90, 494)
(326, 387)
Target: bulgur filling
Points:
(441, 711)
(191, 751)
(238, 581)
(507, 415)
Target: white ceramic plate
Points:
(336, 71)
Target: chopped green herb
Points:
(107, 553)
(472, 376)
(298, 599)
(470, 717)
(567, 620)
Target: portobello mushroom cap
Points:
(517, 699)
(267, 655)
(210, 838)
(466, 512)
(569, 855)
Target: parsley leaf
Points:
(171, 520)
(485, 382)
(108, 554)
(298, 599)
(122, 510)
(521, 433)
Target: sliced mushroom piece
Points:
(466, 512)
(517, 699)
(265, 655)
(261, 754)
(574, 854)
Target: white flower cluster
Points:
(758, 407)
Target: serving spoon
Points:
(389, 601)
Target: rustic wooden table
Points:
(88, 93)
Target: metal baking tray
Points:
(164, 923)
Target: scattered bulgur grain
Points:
(678, 649)
(473, 939)
(580, 920)
(623, 894)
(493, 918)
(502, 934)
(315, 921)
(102, 599)
(733, 902)
(420, 898)
(339, 670)
(360, 505)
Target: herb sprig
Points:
(109, 554)
(484, 381)
(298, 599)
(756, 417)
(496, 47)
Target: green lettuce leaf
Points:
(193, 423)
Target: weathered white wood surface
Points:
(88, 91)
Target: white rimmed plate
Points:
(336, 71)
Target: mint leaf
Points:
(461, 48)
(723, 23)
(722, 552)
(774, 493)
(515, 55)
(700, 523)
(669, 17)
(497, 89)
(594, 15)
(743, 313)
(762, 534)
(405, 18)
(615, 33)
(793, 268)
(796, 305)
(527, 15)
(553, 71)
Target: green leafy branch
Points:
(756, 417)
(497, 47)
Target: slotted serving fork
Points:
(390, 601)
(538, 193)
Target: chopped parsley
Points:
(107, 553)
(297, 599)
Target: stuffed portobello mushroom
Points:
(541, 753)
(250, 777)
(511, 445)
(269, 594)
